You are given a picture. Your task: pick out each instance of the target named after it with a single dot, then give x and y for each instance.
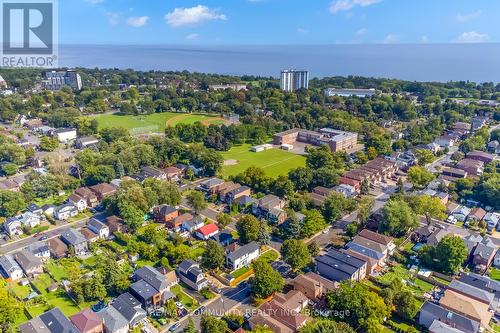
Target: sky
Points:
(275, 22)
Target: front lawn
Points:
(269, 256)
(495, 274)
(239, 272)
(190, 303)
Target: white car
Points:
(451, 219)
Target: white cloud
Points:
(137, 21)
(192, 16)
(468, 17)
(301, 31)
(113, 18)
(340, 5)
(424, 39)
(193, 36)
(361, 32)
(94, 2)
(391, 39)
(472, 37)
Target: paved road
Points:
(229, 300)
(442, 160)
(51, 233)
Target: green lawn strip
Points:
(239, 272)
(58, 298)
(196, 252)
(57, 271)
(495, 274)
(418, 286)
(144, 262)
(186, 300)
(496, 327)
(269, 256)
(274, 162)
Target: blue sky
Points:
(262, 22)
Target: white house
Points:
(65, 134)
(99, 228)
(79, 202)
(14, 225)
(242, 256)
(9, 268)
(445, 141)
(461, 213)
(207, 231)
(65, 211)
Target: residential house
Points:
(440, 327)
(211, 186)
(244, 202)
(430, 312)
(467, 306)
(88, 195)
(387, 241)
(99, 228)
(480, 156)
(52, 321)
(192, 224)
(176, 223)
(48, 209)
(494, 147)
(445, 141)
(113, 321)
(9, 268)
(478, 122)
(130, 308)
(58, 249)
(224, 237)
(472, 167)
(461, 213)
(189, 272)
(313, 286)
(207, 231)
(165, 213)
(149, 172)
(65, 134)
(241, 256)
(115, 224)
(170, 277)
(236, 193)
(86, 141)
(87, 321)
(150, 288)
(75, 240)
(225, 188)
(65, 211)
(476, 214)
(264, 204)
(280, 314)
(491, 219)
(103, 190)
(39, 249)
(483, 255)
(453, 173)
(347, 190)
(77, 201)
(89, 235)
(32, 266)
(173, 173)
(15, 225)
(35, 209)
(338, 266)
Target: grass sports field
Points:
(155, 122)
(275, 162)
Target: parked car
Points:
(451, 219)
(174, 327)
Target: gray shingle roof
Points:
(472, 291)
(143, 290)
(112, 319)
(57, 322)
(73, 237)
(243, 250)
(128, 306)
(458, 321)
(152, 277)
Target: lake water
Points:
(420, 62)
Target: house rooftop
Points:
(243, 250)
(86, 320)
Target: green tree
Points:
(313, 223)
(424, 156)
(248, 228)
(313, 249)
(266, 280)
(211, 324)
(365, 207)
(171, 309)
(430, 207)
(447, 256)
(189, 327)
(223, 220)
(213, 257)
(420, 177)
(295, 253)
(11, 203)
(197, 200)
(337, 205)
(49, 143)
(10, 310)
(367, 309)
(398, 218)
(326, 326)
(9, 169)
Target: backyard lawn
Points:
(415, 284)
(269, 256)
(275, 162)
(20, 291)
(155, 122)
